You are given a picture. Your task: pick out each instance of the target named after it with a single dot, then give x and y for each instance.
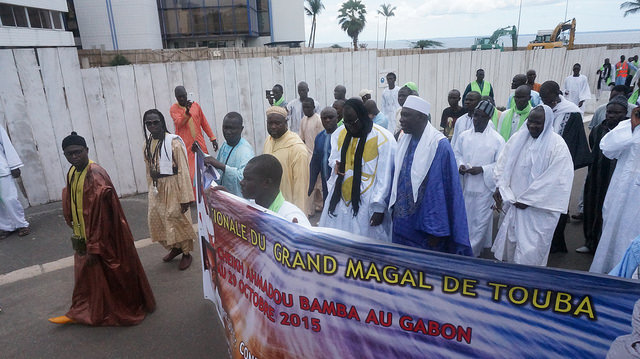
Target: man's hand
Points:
(194, 147)
(184, 207)
(214, 143)
(462, 169)
(376, 219)
(635, 118)
(337, 169)
(211, 161)
(475, 170)
(521, 205)
(188, 107)
(15, 173)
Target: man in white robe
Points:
(534, 174)
(622, 203)
(390, 100)
(576, 88)
(294, 108)
(361, 175)
(465, 121)
(11, 211)
(476, 152)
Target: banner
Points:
(286, 291)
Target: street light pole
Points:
(518, 28)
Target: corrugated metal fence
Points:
(44, 95)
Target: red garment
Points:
(181, 122)
(115, 289)
(622, 69)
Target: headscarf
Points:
(538, 151)
(367, 124)
(277, 109)
(411, 85)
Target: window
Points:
(57, 20)
(20, 14)
(6, 15)
(213, 21)
(46, 19)
(199, 21)
(34, 17)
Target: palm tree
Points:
(422, 44)
(313, 9)
(631, 7)
(351, 19)
(386, 10)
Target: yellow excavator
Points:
(549, 39)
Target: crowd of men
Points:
(355, 163)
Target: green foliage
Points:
(335, 46)
(313, 9)
(387, 11)
(119, 60)
(630, 7)
(351, 18)
(426, 44)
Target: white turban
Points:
(418, 104)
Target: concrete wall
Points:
(27, 37)
(58, 5)
(135, 24)
(43, 98)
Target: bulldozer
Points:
(489, 43)
(549, 39)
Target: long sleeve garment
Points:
(235, 159)
(189, 128)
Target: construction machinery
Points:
(549, 39)
(489, 43)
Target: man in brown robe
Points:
(111, 287)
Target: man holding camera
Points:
(275, 96)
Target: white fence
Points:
(44, 95)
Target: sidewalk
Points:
(184, 325)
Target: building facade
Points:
(33, 23)
(156, 24)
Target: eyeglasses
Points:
(149, 123)
(351, 123)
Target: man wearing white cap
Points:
(426, 197)
(365, 94)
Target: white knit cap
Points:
(418, 104)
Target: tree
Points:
(313, 9)
(119, 60)
(386, 10)
(351, 19)
(631, 7)
(422, 44)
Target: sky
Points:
(427, 19)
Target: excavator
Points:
(489, 43)
(549, 39)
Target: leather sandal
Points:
(185, 262)
(24, 231)
(172, 254)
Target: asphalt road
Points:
(185, 325)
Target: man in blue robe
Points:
(319, 164)
(233, 155)
(426, 197)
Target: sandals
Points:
(24, 231)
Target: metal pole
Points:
(518, 28)
(378, 32)
(566, 8)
